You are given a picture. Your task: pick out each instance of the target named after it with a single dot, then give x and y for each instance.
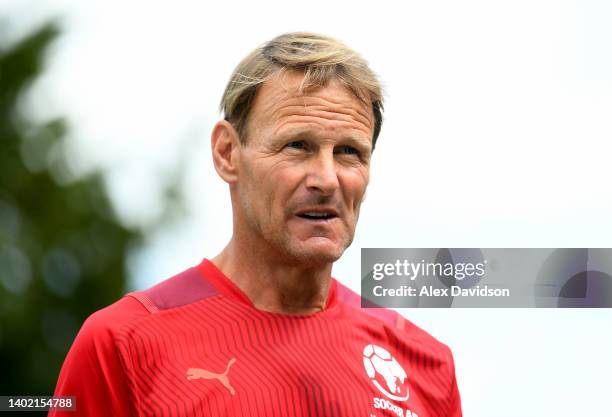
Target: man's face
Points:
(304, 169)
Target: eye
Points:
(349, 150)
(296, 144)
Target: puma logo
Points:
(197, 373)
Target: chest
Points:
(269, 367)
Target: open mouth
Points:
(317, 216)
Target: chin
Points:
(316, 255)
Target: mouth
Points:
(318, 215)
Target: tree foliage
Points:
(62, 248)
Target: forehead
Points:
(280, 106)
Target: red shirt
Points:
(194, 345)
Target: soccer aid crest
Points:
(385, 372)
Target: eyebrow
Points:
(305, 133)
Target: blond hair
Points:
(321, 59)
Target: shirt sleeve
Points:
(454, 409)
(93, 371)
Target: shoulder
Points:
(94, 356)
(102, 350)
(183, 288)
(186, 287)
(99, 328)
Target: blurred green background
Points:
(63, 249)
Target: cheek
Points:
(284, 179)
(276, 186)
(255, 193)
(355, 185)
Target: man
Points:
(262, 329)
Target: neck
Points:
(279, 287)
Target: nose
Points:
(322, 175)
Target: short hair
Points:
(321, 59)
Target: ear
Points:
(225, 143)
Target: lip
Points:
(328, 210)
(321, 221)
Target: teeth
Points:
(313, 214)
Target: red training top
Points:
(194, 345)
